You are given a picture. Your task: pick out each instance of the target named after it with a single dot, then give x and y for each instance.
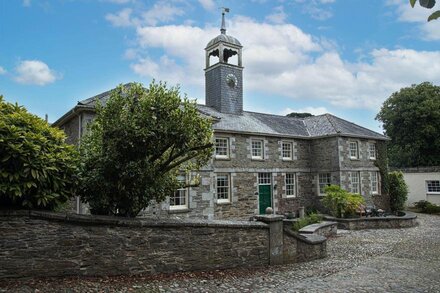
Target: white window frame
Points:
(323, 184)
(374, 179)
(358, 176)
(185, 190)
(290, 183)
(372, 151)
(218, 156)
(350, 150)
(227, 187)
(257, 157)
(436, 185)
(290, 156)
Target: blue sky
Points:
(344, 57)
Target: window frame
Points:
(186, 195)
(437, 186)
(228, 187)
(290, 144)
(374, 152)
(358, 175)
(322, 183)
(356, 143)
(374, 174)
(264, 178)
(261, 141)
(294, 184)
(217, 156)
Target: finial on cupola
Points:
(223, 28)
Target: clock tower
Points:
(223, 79)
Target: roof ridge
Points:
(328, 116)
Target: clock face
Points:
(231, 80)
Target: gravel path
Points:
(400, 260)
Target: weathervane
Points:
(223, 28)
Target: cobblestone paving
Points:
(400, 260)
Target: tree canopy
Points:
(137, 145)
(299, 115)
(411, 118)
(427, 4)
(37, 168)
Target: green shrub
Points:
(398, 191)
(307, 220)
(340, 202)
(426, 207)
(422, 205)
(37, 168)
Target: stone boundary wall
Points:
(391, 222)
(324, 228)
(45, 244)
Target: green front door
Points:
(265, 198)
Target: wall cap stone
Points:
(269, 218)
(127, 222)
(310, 229)
(307, 238)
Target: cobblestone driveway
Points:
(404, 260)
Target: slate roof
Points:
(276, 125)
(260, 123)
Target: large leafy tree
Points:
(137, 145)
(411, 118)
(37, 168)
(427, 4)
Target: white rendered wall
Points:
(417, 187)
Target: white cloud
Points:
(278, 16)
(317, 9)
(2, 70)
(122, 18)
(418, 15)
(26, 3)
(160, 12)
(280, 59)
(34, 72)
(312, 110)
(208, 4)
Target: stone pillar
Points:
(275, 223)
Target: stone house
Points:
(260, 160)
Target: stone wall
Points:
(43, 244)
(389, 222)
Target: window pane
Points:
(355, 182)
(179, 198)
(287, 150)
(221, 147)
(374, 182)
(353, 149)
(257, 148)
(433, 185)
(324, 181)
(290, 184)
(223, 187)
(264, 178)
(372, 151)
